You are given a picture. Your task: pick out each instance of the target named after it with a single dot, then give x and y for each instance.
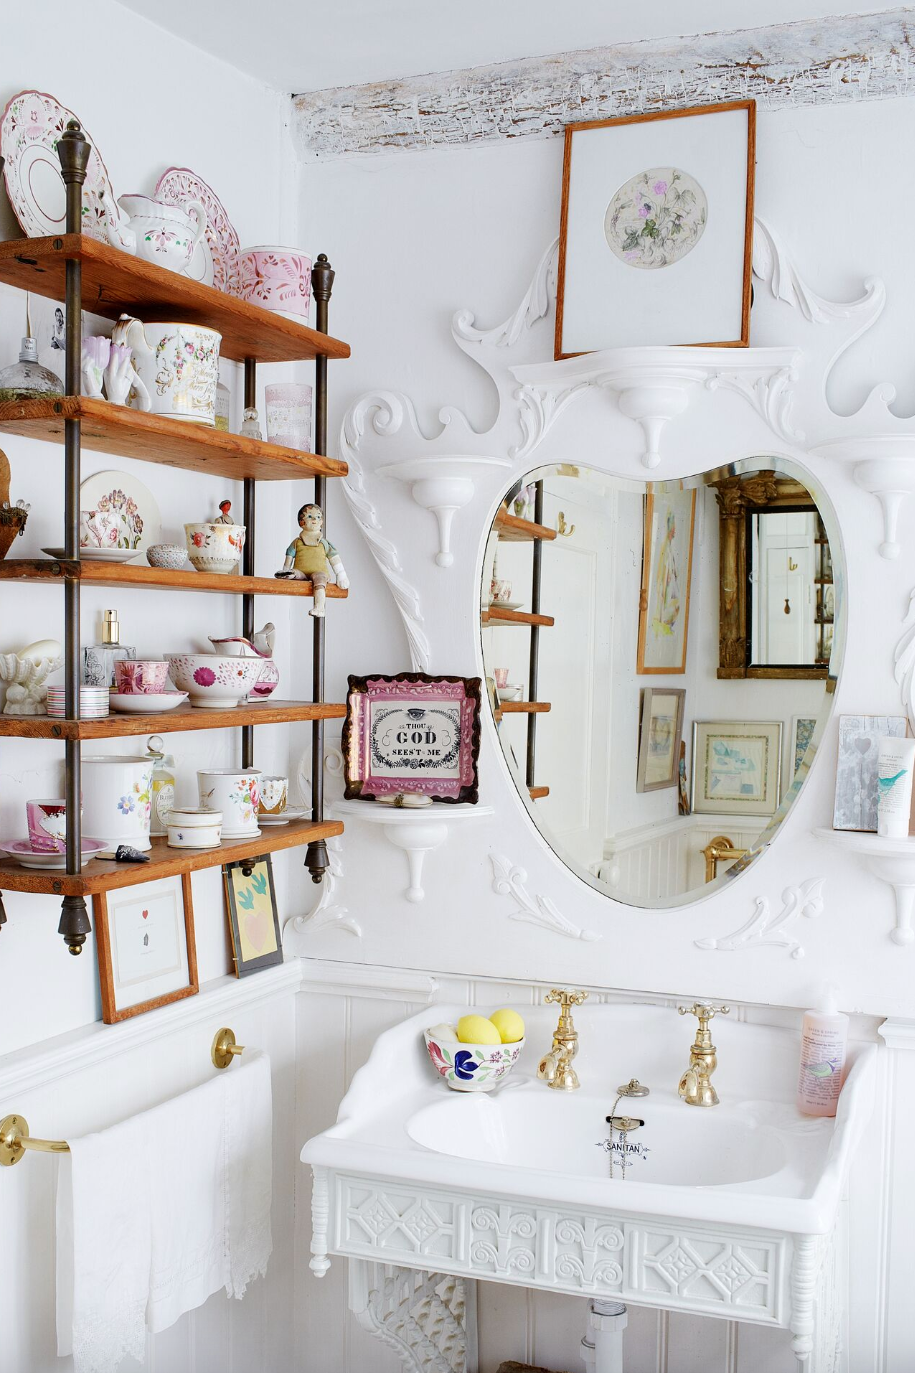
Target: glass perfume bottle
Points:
(250, 425)
(163, 785)
(99, 659)
(27, 378)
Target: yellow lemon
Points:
(509, 1024)
(475, 1029)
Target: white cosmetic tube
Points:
(895, 760)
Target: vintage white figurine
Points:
(25, 673)
(311, 557)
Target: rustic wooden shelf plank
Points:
(538, 793)
(185, 717)
(97, 573)
(99, 876)
(525, 707)
(512, 529)
(128, 433)
(114, 282)
(497, 614)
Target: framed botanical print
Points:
(147, 954)
(254, 924)
(736, 767)
(656, 230)
(659, 738)
(667, 569)
(412, 732)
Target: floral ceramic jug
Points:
(166, 234)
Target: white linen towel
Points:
(156, 1214)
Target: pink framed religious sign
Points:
(412, 733)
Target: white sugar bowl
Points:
(189, 828)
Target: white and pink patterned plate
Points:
(216, 257)
(30, 129)
(22, 851)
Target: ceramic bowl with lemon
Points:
(478, 1053)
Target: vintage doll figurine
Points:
(224, 516)
(311, 557)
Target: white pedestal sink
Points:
(731, 1212)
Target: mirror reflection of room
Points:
(658, 657)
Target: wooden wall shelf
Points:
(525, 707)
(498, 615)
(119, 430)
(96, 573)
(99, 876)
(185, 717)
(512, 529)
(114, 282)
(538, 793)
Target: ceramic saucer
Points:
(22, 851)
(145, 702)
(108, 555)
(274, 819)
(216, 259)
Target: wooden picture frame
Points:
(660, 732)
(254, 923)
(593, 262)
(412, 732)
(737, 767)
(664, 555)
(122, 945)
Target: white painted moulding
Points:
(893, 861)
(443, 485)
(416, 832)
(654, 385)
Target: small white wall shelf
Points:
(893, 861)
(416, 832)
(443, 485)
(884, 465)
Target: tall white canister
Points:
(117, 798)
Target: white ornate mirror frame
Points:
(809, 909)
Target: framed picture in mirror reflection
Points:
(667, 568)
(736, 767)
(659, 738)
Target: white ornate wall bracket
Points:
(414, 832)
(884, 465)
(427, 1319)
(509, 880)
(443, 485)
(774, 928)
(893, 862)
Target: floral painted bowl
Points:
(213, 681)
(473, 1067)
(215, 547)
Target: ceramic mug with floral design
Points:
(47, 822)
(277, 279)
(472, 1067)
(140, 676)
(179, 366)
(235, 792)
(117, 799)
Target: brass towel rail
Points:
(14, 1130)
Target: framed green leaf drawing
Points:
(253, 919)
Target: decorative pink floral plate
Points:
(30, 129)
(117, 514)
(216, 257)
(22, 851)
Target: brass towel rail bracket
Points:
(14, 1130)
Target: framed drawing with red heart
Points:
(147, 953)
(253, 919)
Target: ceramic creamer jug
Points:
(165, 234)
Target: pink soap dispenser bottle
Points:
(824, 1042)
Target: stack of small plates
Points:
(93, 702)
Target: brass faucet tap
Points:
(555, 1068)
(696, 1083)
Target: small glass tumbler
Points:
(289, 414)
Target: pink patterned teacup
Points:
(47, 822)
(140, 676)
(500, 590)
(277, 279)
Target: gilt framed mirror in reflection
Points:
(677, 674)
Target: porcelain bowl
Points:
(472, 1067)
(215, 547)
(213, 681)
(170, 555)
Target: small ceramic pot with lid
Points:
(194, 829)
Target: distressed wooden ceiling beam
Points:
(828, 61)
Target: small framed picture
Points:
(856, 768)
(667, 569)
(412, 732)
(736, 767)
(656, 230)
(802, 728)
(254, 923)
(147, 954)
(659, 738)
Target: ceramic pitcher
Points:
(165, 234)
(176, 364)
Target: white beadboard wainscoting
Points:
(660, 860)
(77, 1083)
(344, 1007)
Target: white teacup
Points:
(274, 794)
